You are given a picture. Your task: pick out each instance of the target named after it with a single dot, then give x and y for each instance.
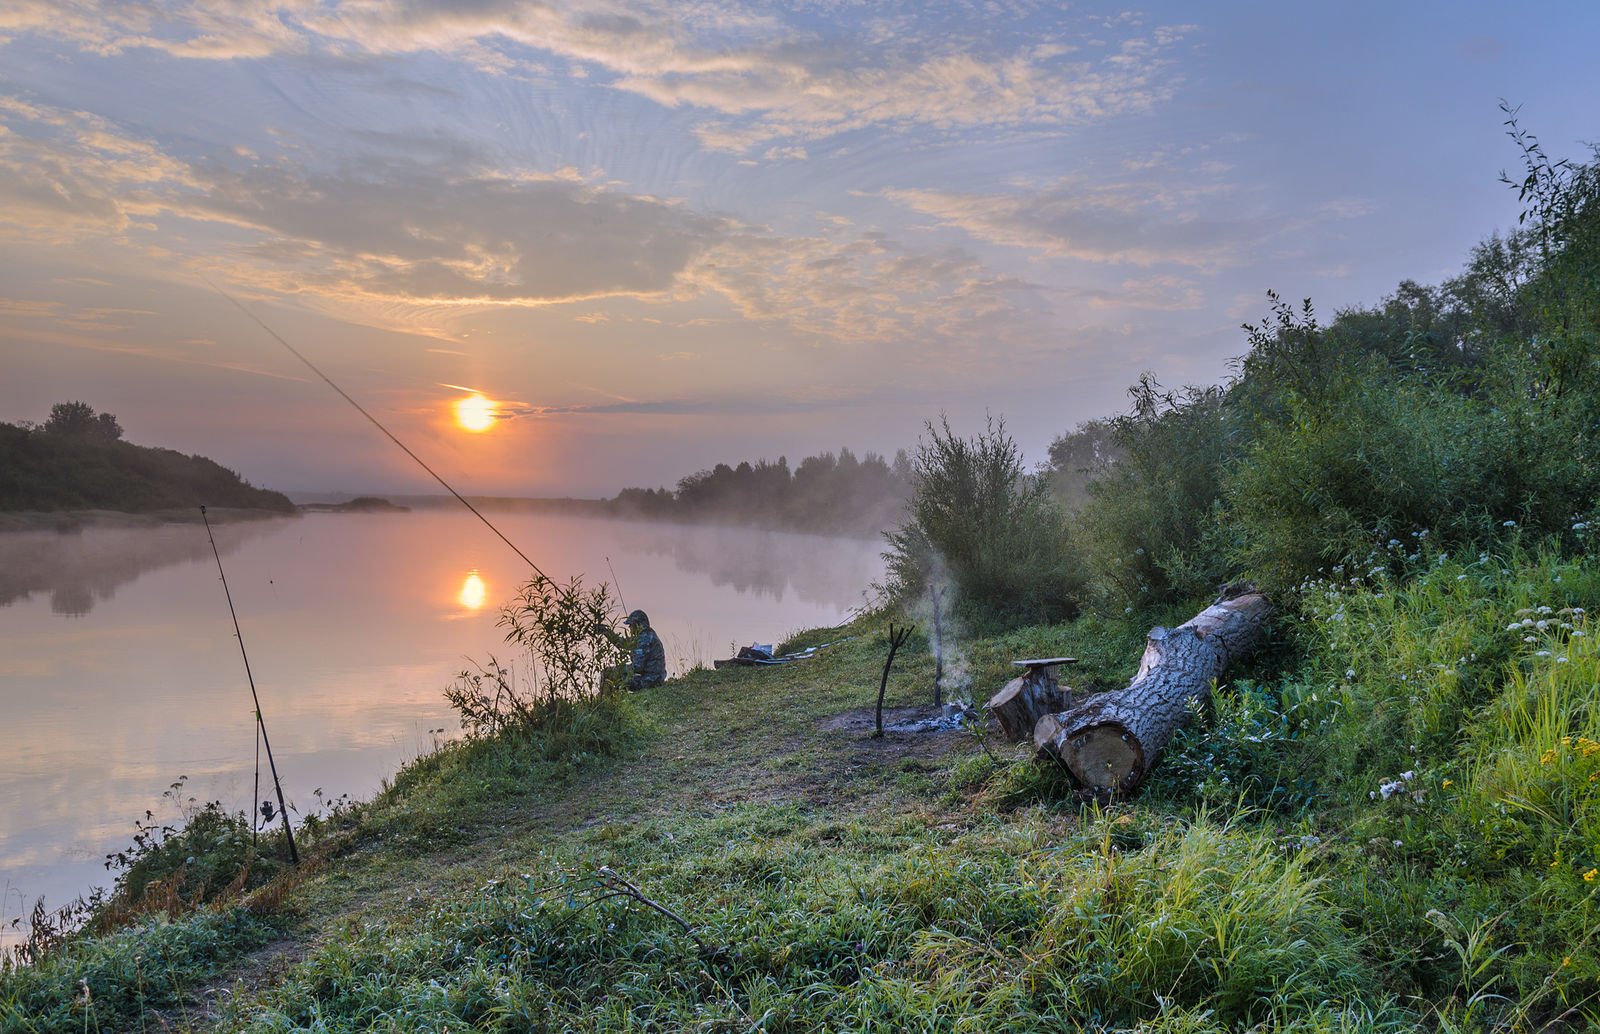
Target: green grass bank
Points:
(1388, 820)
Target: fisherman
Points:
(647, 658)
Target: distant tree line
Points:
(825, 494)
(77, 460)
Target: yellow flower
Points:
(1446, 783)
(1591, 875)
(1567, 961)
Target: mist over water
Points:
(119, 670)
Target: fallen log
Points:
(1110, 741)
(1024, 700)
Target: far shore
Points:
(66, 521)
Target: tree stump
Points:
(1110, 741)
(1024, 700)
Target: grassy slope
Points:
(922, 882)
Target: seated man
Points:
(647, 658)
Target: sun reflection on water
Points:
(473, 593)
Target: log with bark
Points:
(1110, 741)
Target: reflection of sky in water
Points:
(354, 624)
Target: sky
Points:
(657, 236)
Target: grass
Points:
(786, 873)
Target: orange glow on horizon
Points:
(475, 413)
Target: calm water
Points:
(119, 671)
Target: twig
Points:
(618, 884)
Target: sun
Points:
(475, 413)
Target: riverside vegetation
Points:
(1389, 820)
(77, 460)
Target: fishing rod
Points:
(261, 723)
(387, 434)
(616, 583)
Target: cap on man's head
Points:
(636, 618)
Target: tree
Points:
(79, 420)
(978, 516)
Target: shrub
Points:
(976, 514)
(1150, 525)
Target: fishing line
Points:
(261, 724)
(255, 794)
(616, 583)
(387, 434)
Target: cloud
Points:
(415, 246)
(1141, 224)
(758, 77)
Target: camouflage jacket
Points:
(649, 660)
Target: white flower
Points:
(1530, 639)
(1541, 653)
(1349, 673)
(1562, 659)
(1508, 524)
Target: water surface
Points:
(120, 672)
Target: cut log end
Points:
(1106, 757)
(1023, 701)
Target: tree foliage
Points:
(977, 517)
(826, 494)
(79, 420)
(77, 461)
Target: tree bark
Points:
(1110, 741)
(1024, 700)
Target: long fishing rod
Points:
(261, 723)
(616, 583)
(387, 434)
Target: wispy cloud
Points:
(758, 76)
(1141, 224)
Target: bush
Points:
(979, 519)
(1151, 524)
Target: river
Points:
(120, 672)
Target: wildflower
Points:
(1530, 639)
(1349, 673)
(1591, 875)
(1447, 784)
(1508, 524)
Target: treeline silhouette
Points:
(826, 494)
(76, 460)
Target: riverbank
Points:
(68, 521)
(732, 851)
